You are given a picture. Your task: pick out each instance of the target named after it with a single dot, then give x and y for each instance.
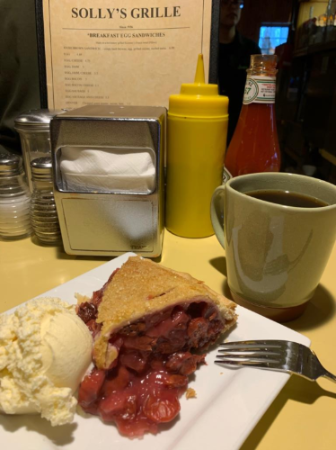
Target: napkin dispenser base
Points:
(110, 222)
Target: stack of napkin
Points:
(108, 170)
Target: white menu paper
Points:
(131, 52)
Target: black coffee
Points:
(287, 198)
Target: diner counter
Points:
(303, 414)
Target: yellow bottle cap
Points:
(198, 99)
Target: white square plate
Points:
(229, 402)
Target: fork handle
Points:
(329, 375)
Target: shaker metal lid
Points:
(9, 163)
(36, 119)
(41, 168)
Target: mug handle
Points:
(217, 213)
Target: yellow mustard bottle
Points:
(196, 144)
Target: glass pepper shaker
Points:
(44, 216)
(14, 198)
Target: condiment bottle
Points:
(197, 131)
(14, 198)
(254, 146)
(34, 130)
(43, 208)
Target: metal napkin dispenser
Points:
(108, 164)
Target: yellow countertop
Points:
(303, 416)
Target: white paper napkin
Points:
(112, 169)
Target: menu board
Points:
(131, 52)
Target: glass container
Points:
(14, 198)
(254, 146)
(34, 130)
(44, 216)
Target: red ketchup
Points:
(254, 146)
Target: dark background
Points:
(257, 12)
(306, 80)
(306, 83)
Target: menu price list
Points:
(83, 81)
(80, 80)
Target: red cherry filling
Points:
(143, 387)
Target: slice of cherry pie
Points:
(147, 322)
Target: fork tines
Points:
(278, 355)
(260, 353)
(251, 345)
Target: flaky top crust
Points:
(142, 287)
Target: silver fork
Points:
(284, 356)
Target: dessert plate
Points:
(228, 405)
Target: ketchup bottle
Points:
(254, 146)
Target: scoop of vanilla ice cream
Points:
(45, 350)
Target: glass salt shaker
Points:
(44, 216)
(34, 129)
(14, 198)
